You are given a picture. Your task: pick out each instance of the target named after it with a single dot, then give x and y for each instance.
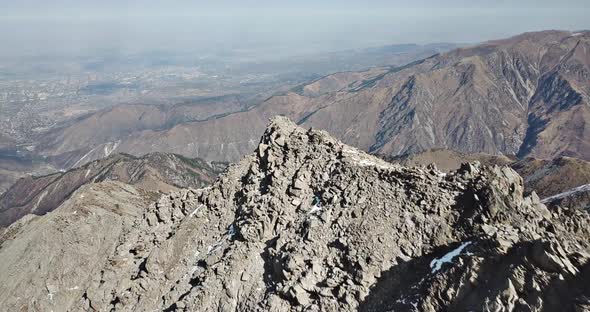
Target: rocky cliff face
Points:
(308, 223)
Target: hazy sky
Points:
(287, 27)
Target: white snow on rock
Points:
(579, 189)
(214, 247)
(317, 205)
(315, 209)
(363, 160)
(436, 264)
(196, 209)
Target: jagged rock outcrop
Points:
(307, 223)
(563, 181)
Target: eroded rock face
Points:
(308, 223)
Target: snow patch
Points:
(39, 200)
(317, 205)
(195, 211)
(315, 209)
(212, 248)
(110, 147)
(369, 163)
(436, 264)
(364, 162)
(579, 189)
(84, 157)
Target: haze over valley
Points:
(39, 96)
(162, 66)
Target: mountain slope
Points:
(64, 250)
(97, 135)
(156, 172)
(487, 98)
(563, 181)
(549, 178)
(308, 223)
(526, 96)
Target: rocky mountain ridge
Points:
(560, 181)
(307, 223)
(155, 172)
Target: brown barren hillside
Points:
(527, 95)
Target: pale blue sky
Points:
(287, 27)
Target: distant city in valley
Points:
(39, 94)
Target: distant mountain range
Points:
(527, 96)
